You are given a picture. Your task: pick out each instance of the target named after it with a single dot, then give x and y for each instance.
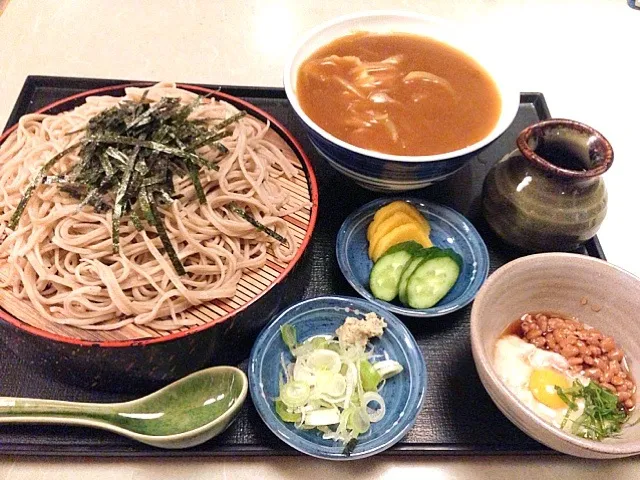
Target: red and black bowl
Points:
(136, 365)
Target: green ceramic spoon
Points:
(185, 413)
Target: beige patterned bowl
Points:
(597, 293)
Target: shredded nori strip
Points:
(60, 179)
(37, 180)
(119, 206)
(195, 178)
(159, 147)
(89, 197)
(129, 155)
(350, 447)
(221, 148)
(135, 219)
(79, 192)
(263, 228)
(76, 191)
(147, 205)
(209, 139)
(106, 165)
(228, 121)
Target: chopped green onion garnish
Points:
(369, 377)
(295, 394)
(286, 415)
(603, 416)
(288, 333)
(331, 386)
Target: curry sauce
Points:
(400, 94)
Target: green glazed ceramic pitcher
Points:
(548, 195)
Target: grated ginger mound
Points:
(358, 332)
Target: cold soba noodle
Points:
(399, 94)
(61, 255)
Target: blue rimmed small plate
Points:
(449, 229)
(403, 394)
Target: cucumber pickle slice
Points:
(420, 276)
(432, 279)
(417, 259)
(385, 275)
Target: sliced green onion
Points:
(302, 373)
(375, 414)
(332, 387)
(387, 368)
(289, 337)
(313, 343)
(295, 394)
(603, 416)
(352, 379)
(324, 359)
(333, 384)
(322, 416)
(286, 415)
(369, 377)
(359, 421)
(318, 342)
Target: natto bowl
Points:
(593, 291)
(141, 365)
(384, 172)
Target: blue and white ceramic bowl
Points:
(403, 393)
(449, 229)
(379, 171)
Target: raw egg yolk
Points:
(543, 383)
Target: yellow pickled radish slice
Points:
(388, 210)
(403, 233)
(394, 221)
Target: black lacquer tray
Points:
(458, 416)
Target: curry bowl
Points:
(590, 290)
(381, 171)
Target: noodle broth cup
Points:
(384, 172)
(593, 291)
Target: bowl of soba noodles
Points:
(148, 231)
(398, 101)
